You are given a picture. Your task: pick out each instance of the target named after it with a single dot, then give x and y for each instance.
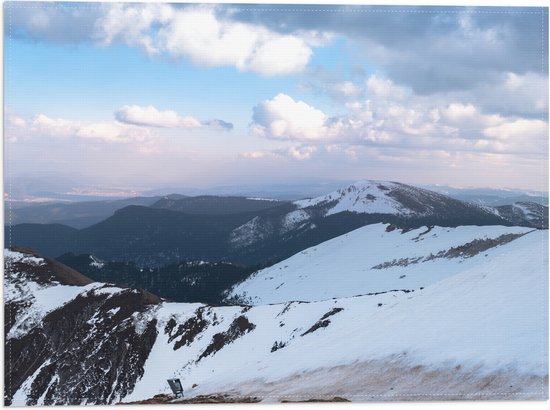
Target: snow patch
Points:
(39, 301)
(263, 199)
(253, 231)
(293, 219)
(13, 256)
(96, 263)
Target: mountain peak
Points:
(373, 196)
(393, 198)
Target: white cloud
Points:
(379, 87)
(15, 127)
(259, 154)
(284, 118)
(150, 116)
(299, 153)
(384, 118)
(17, 121)
(321, 81)
(522, 129)
(198, 33)
(466, 119)
(302, 153)
(131, 24)
(515, 93)
(371, 121)
(459, 113)
(344, 90)
(131, 127)
(108, 131)
(394, 116)
(347, 88)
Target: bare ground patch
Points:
(202, 399)
(394, 379)
(467, 250)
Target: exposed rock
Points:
(238, 328)
(323, 322)
(89, 350)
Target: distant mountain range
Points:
(492, 196)
(75, 214)
(31, 191)
(81, 212)
(216, 205)
(253, 231)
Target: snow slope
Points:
(477, 332)
(489, 322)
(376, 258)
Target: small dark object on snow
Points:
(176, 387)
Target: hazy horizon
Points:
(254, 96)
(30, 190)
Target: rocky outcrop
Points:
(90, 350)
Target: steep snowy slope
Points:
(377, 258)
(487, 326)
(480, 333)
(69, 340)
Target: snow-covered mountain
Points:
(478, 332)
(361, 203)
(378, 258)
(384, 197)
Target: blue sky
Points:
(146, 95)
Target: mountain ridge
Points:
(153, 236)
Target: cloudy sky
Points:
(145, 95)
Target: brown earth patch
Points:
(203, 399)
